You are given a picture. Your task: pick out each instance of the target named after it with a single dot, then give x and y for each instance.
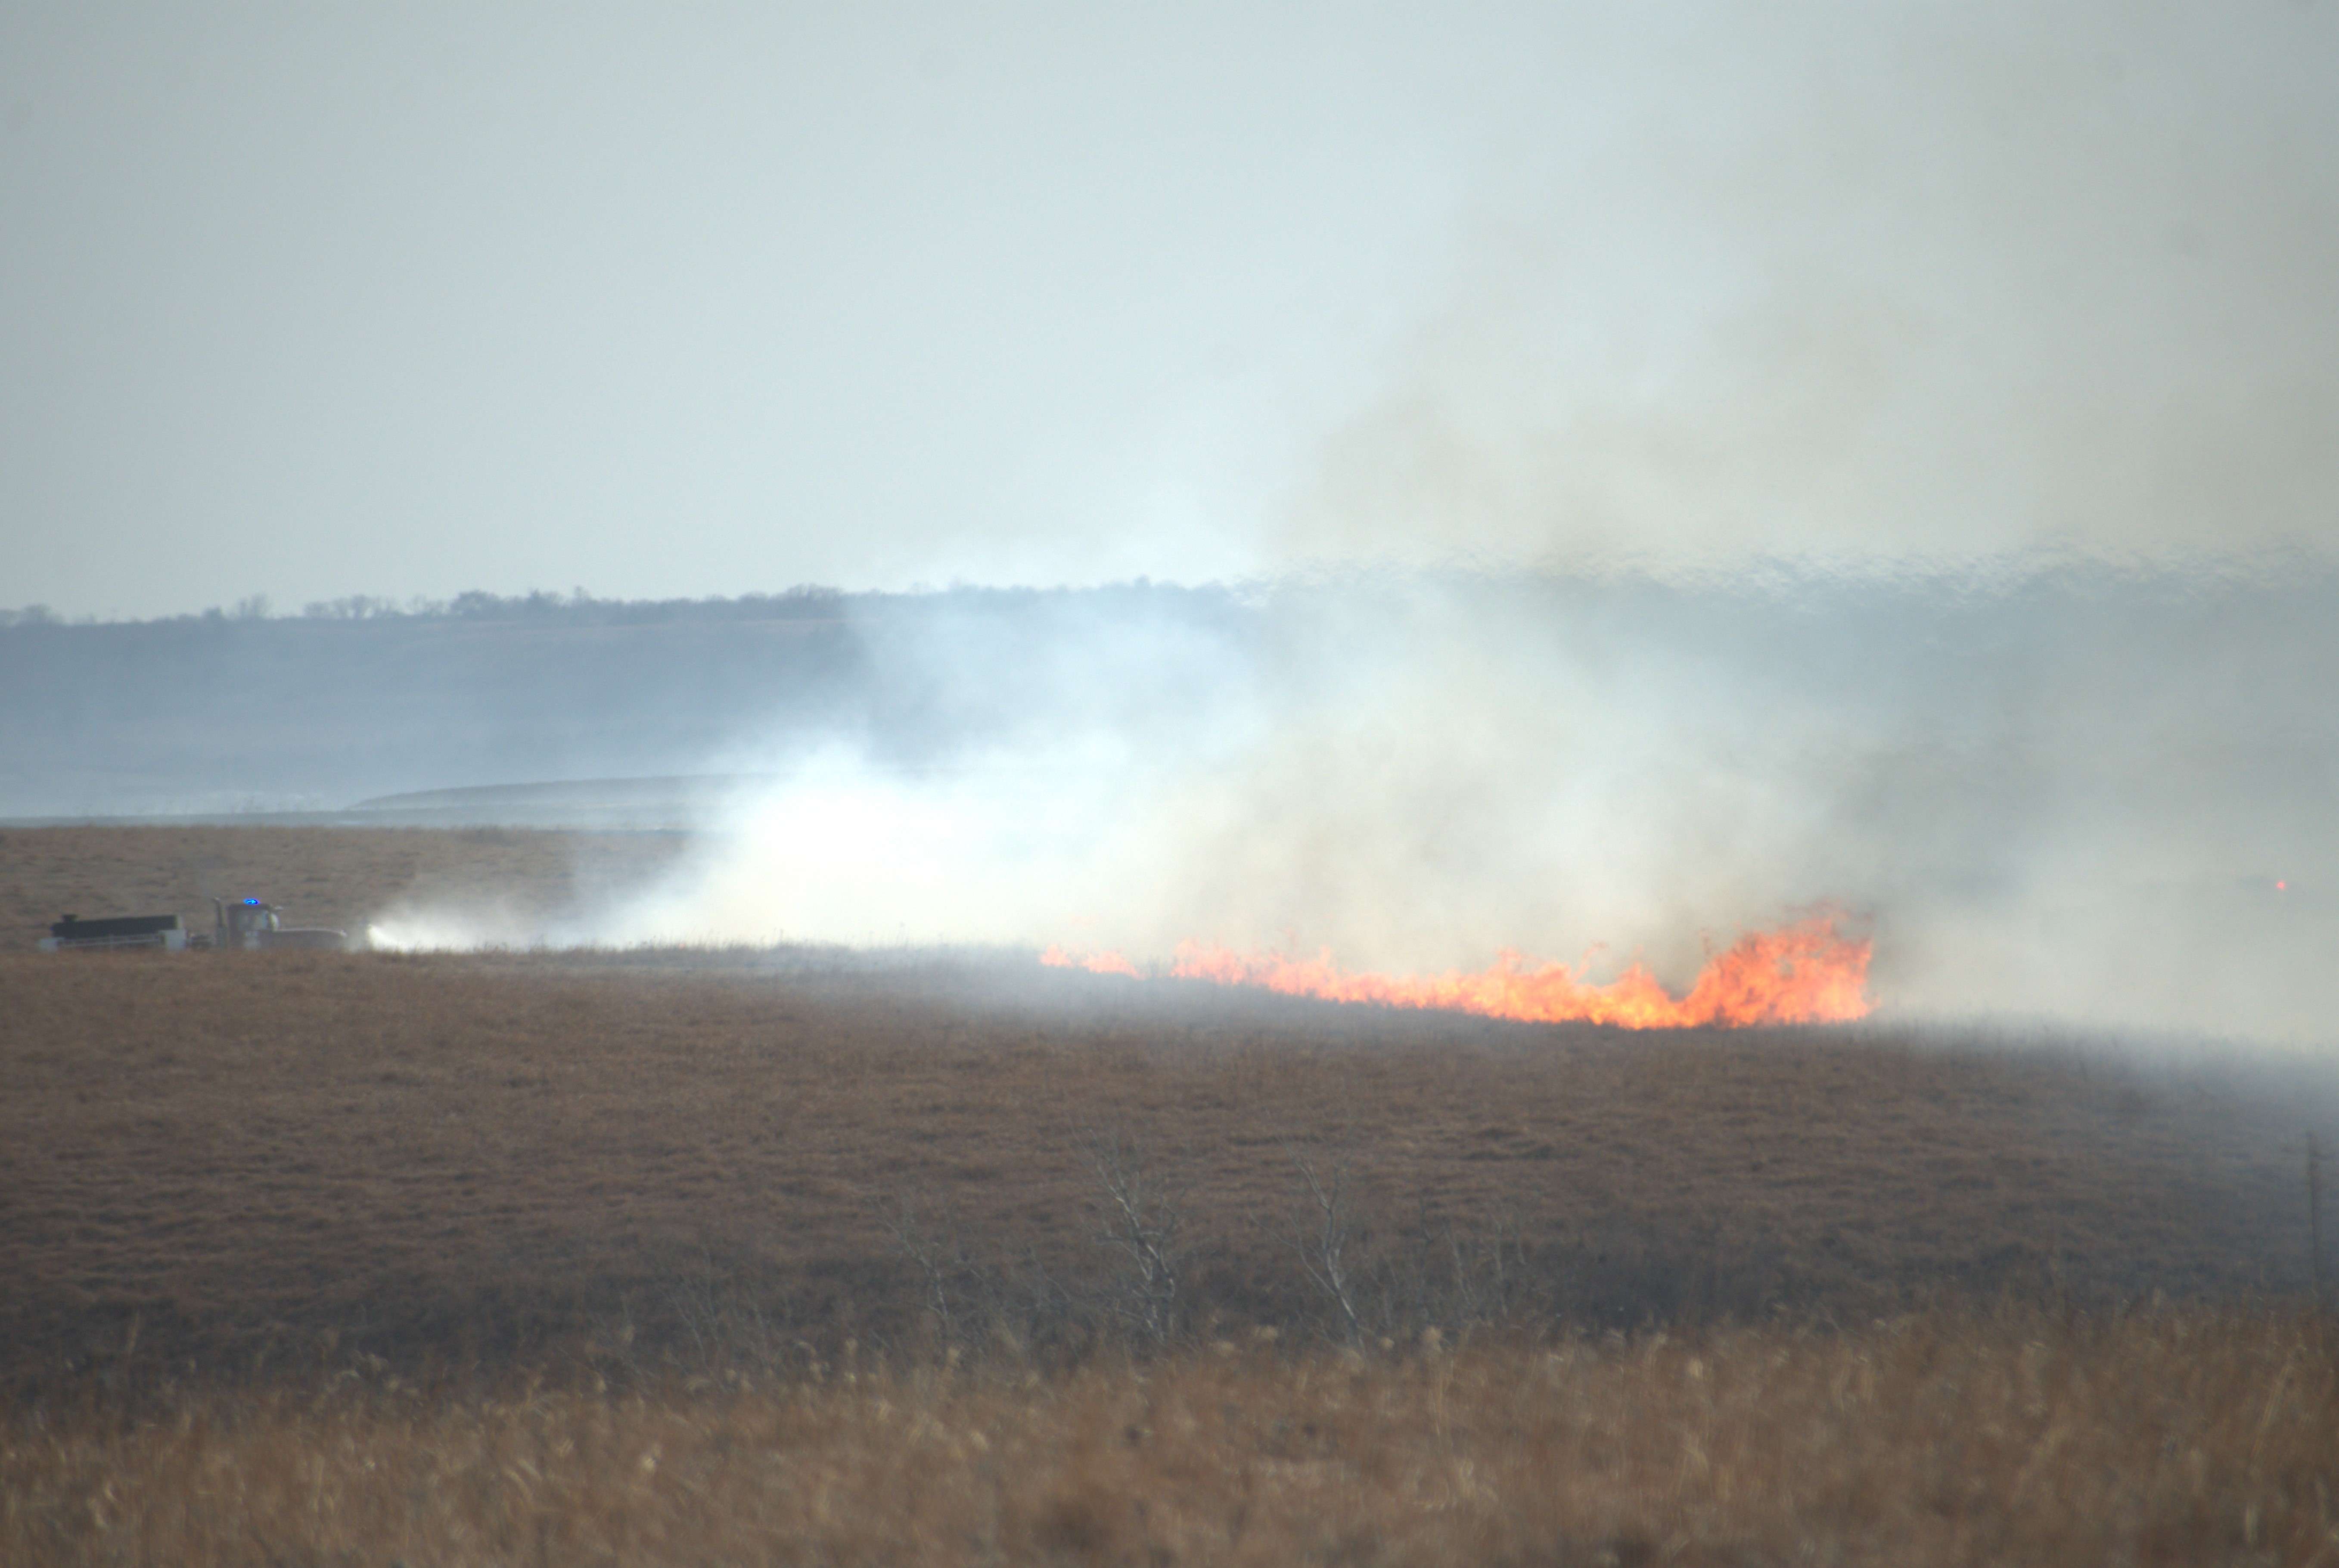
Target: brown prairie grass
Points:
(714, 1257)
(2185, 1436)
(453, 1159)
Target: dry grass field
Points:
(464, 1156)
(2180, 1438)
(693, 1256)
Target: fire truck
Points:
(248, 924)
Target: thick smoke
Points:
(2009, 331)
(410, 303)
(1873, 284)
(2075, 795)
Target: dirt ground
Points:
(453, 1155)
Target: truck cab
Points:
(251, 924)
(241, 922)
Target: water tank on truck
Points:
(75, 934)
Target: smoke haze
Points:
(1865, 285)
(322, 301)
(2081, 796)
(1636, 475)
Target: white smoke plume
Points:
(2080, 795)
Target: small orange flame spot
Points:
(1803, 973)
(1094, 962)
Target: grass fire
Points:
(1232, 785)
(1804, 974)
(677, 1254)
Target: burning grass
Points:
(717, 1256)
(1807, 972)
(2190, 1436)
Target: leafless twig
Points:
(1324, 1231)
(1140, 1216)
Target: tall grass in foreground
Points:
(2182, 1436)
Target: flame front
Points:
(1808, 973)
(1094, 962)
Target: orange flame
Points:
(1094, 962)
(1808, 973)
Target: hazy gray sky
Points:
(683, 300)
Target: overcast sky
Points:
(688, 300)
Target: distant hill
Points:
(248, 714)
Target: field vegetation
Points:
(468, 1157)
(810, 1257)
(2177, 1437)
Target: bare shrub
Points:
(1467, 1272)
(951, 1283)
(1325, 1231)
(1140, 1217)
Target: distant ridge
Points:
(696, 789)
(669, 804)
